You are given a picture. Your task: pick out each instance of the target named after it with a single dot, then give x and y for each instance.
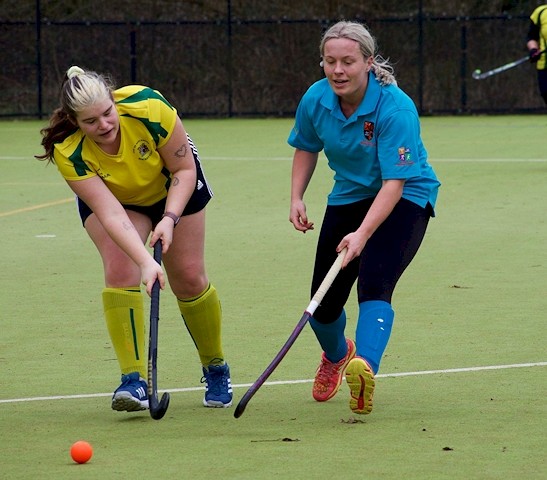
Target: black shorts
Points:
(197, 202)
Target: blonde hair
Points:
(367, 44)
(80, 89)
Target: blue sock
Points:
(373, 331)
(331, 337)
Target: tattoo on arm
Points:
(181, 152)
(128, 226)
(175, 181)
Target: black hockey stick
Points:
(157, 408)
(478, 75)
(315, 301)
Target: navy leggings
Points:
(542, 83)
(383, 260)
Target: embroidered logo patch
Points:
(142, 149)
(405, 156)
(368, 130)
(102, 174)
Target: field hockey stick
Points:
(315, 301)
(478, 75)
(157, 408)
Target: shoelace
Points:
(214, 381)
(327, 370)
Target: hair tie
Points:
(74, 71)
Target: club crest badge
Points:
(368, 130)
(142, 149)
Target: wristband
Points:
(172, 216)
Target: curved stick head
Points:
(239, 409)
(158, 410)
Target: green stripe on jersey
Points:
(155, 128)
(145, 94)
(76, 158)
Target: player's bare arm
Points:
(179, 160)
(114, 218)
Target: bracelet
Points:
(172, 216)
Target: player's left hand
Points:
(354, 242)
(164, 231)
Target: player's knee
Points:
(122, 277)
(189, 285)
(326, 314)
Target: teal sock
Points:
(373, 331)
(331, 337)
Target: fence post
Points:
(39, 58)
(463, 67)
(421, 57)
(230, 65)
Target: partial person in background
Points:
(536, 43)
(137, 177)
(383, 196)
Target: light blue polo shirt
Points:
(380, 141)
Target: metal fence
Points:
(228, 64)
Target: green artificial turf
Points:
(461, 390)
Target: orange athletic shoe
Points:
(360, 380)
(328, 376)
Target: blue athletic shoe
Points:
(131, 395)
(218, 386)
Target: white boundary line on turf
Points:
(431, 159)
(487, 160)
(290, 382)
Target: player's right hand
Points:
(299, 218)
(149, 273)
(534, 55)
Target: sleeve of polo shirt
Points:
(303, 134)
(399, 146)
(69, 160)
(149, 107)
(163, 115)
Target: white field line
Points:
(432, 159)
(487, 160)
(289, 382)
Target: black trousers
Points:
(542, 83)
(381, 263)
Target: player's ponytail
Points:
(60, 127)
(383, 71)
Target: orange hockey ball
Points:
(81, 451)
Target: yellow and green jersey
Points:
(539, 18)
(136, 175)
